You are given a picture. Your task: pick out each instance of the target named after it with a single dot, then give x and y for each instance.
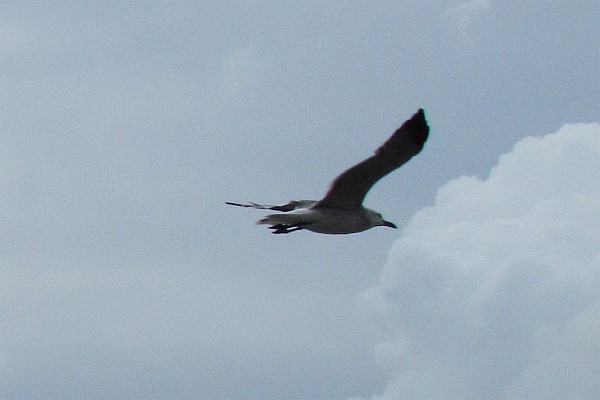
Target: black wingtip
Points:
(420, 114)
(419, 124)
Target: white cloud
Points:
(494, 292)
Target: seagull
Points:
(341, 210)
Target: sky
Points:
(126, 125)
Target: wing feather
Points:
(349, 189)
(292, 205)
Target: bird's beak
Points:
(389, 224)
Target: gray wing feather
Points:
(349, 189)
(292, 205)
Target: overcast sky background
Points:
(124, 126)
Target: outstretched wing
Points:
(292, 205)
(349, 189)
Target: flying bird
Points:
(341, 210)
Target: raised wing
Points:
(349, 189)
(292, 205)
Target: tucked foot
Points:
(281, 228)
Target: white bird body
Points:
(341, 210)
(325, 220)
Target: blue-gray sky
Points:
(124, 126)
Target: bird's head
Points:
(377, 220)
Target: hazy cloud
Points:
(18, 38)
(494, 291)
(241, 71)
(464, 13)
